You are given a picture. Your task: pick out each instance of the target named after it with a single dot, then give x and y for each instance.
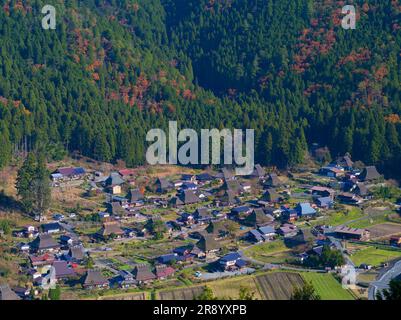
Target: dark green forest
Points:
(113, 69)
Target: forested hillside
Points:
(113, 69)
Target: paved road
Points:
(219, 275)
(340, 247)
(384, 280)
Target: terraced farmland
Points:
(327, 287)
(181, 294)
(278, 286)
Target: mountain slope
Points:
(114, 69)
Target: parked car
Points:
(58, 217)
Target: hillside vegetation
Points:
(114, 69)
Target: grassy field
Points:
(327, 286)
(230, 288)
(340, 218)
(266, 286)
(270, 252)
(374, 257)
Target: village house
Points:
(217, 229)
(202, 216)
(204, 178)
(136, 198)
(51, 228)
(66, 240)
(170, 258)
(229, 198)
(273, 181)
(76, 254)
(262, 234)
(188, 178)
(189, 186)
(287, 230)
(184, 198)
(42, 261)
(258, 218)
(344, 162)
(272, 196)
(143, 274)
(114, 208)
(325, 202)
(370, 174)
(361, 190)
(305, 210)
(290, 215)
(239, 213)
(234, 186)
(63, 270)
(128, 175)
(95, 280)
(110, 229)
(125, 279)
(44, 243)
(231, 262)
(208, 245)
(113, 183)
(163, 272)
(163, 185)
(322, 192)
(332, 172)
(344, 232)
(349, 198)
(68, 174)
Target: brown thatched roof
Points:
(369, 174)
(208, 243)
(95, 278)
(258, 218)
(110, 228)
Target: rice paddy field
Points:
(268, 286)
(327, 286)
(230, 287)
(374, 257)
(189, 293)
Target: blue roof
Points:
(267, 230)
(240, 263)
(181, 250)
(325, 200)
(51, 226)
(79, 170)
(305, 209)
(241, 209)
(256, 234)
(233, 256)
(189, 185)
